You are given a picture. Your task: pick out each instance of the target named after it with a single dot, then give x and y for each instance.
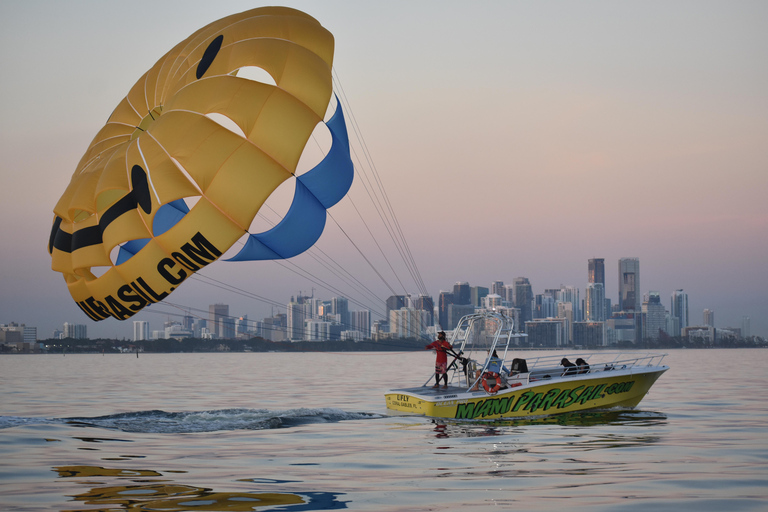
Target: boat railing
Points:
(549, 367)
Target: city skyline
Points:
(547, 135)
(594, 307)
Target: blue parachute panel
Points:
(317, 190)
(168, 215)
(128, 249)
(330, 180)
(298, 231)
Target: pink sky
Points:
(543, 134)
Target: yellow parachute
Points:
(127, 206)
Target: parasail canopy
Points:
(164, 189)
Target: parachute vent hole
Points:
(226, 122)
(256, 74)
(274, 208)
(317, 147)
(99, 271)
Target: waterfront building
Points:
(395, 302)
(492, 301)
(546, 332)
(679, 309)
(140, 330)
(594, 303)
(476, 295)
(462, 293)
(217, 313)
(623, 327)
(589, 334)
(340, 307)
(523, 298)
(629, 284)
(407, 322)
(455, 312)
(654, 316)
(746, 328)
(295, 321)
(709, 317)
(75, 331)
(596, 271)
(361, 322)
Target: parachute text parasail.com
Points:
(130, 298)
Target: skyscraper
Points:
(340, 306)
(680, 308)
(445, 299)
(655, 316)
(425, 303)
(746, 329)
(594, 303)
(217, 313)
(296, 315)
(395, 302)
(361, 321)
(596, 271)
(462, 293)
(140, 330)
(709, 317)
(476, 294)
(629, 284)
(523, 298)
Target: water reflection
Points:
(479, 428)
(164, 495)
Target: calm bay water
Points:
(297, 432)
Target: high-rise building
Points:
(492, 301)
(709, 317)
(425, 303)
(497, 287)
(629, 284)
(548, 332)
(340, 307)
(140, 330)
(679, 309)
(407, 322)
(455, 312)
(596, 271)
(523, 298)
(654, 316)
(594, 303)
(75, 331)
(476, 295)
(462, 293)
(545, 305)
(445, 299)
(361, 321)
(570, 294)
(217, 313)
(746, 328)
(395, 302)
(589, 334)
(242, 328)
(296, 315)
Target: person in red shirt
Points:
(441, 348)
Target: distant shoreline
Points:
(260, 345)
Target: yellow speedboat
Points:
(539, 386)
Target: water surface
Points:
(310, 431)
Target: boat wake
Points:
(161, 422)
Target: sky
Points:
(512, 139)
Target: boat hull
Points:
(601, 390)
